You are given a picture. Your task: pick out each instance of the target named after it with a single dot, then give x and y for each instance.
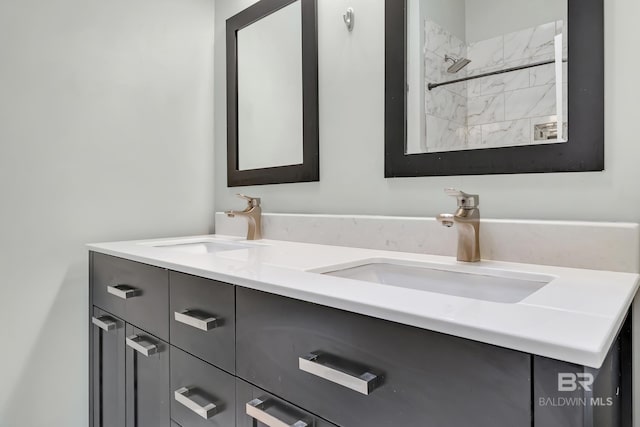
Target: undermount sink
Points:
(473, 282)
(203, 246)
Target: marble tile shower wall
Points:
(495, 111)
(445, 107)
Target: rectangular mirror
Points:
(488, 86)
(272, 93)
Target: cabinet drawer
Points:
(202, 395)
(371, 372)
(135, 292)
(202, 318)
(255, 404)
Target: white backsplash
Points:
(592, 245)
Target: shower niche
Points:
(493, 86)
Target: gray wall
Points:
(105, 133)
(352, 135)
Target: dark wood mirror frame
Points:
(309, 170)
(584, 150)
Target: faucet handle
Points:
(252, 202)
(465, 201)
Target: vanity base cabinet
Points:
(354, 370)
(239, 357)
(108, 369)
(147, 380)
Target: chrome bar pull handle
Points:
(123, 291)
(194, 319)
(364, 383)
(138, 344)
(255, 409)
(105, 323)
(182, 396)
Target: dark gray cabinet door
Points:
(255, 404)
(425, 378)
(108, 375)
(202, 395)
(135, 292)
(202, 313)
(147, 380)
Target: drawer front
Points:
(371, 372)
(147, 382)
(138, 293)
(257, 408)
(201, 395)
(202, 318)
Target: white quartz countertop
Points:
(574, 318)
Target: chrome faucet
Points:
(253, 213)
(467, 220)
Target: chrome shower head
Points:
(458, 63)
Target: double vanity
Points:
(222, 331)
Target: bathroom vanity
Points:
(218, 331)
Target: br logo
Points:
(569, 381)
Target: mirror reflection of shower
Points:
(484, 74)
(457, 63)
